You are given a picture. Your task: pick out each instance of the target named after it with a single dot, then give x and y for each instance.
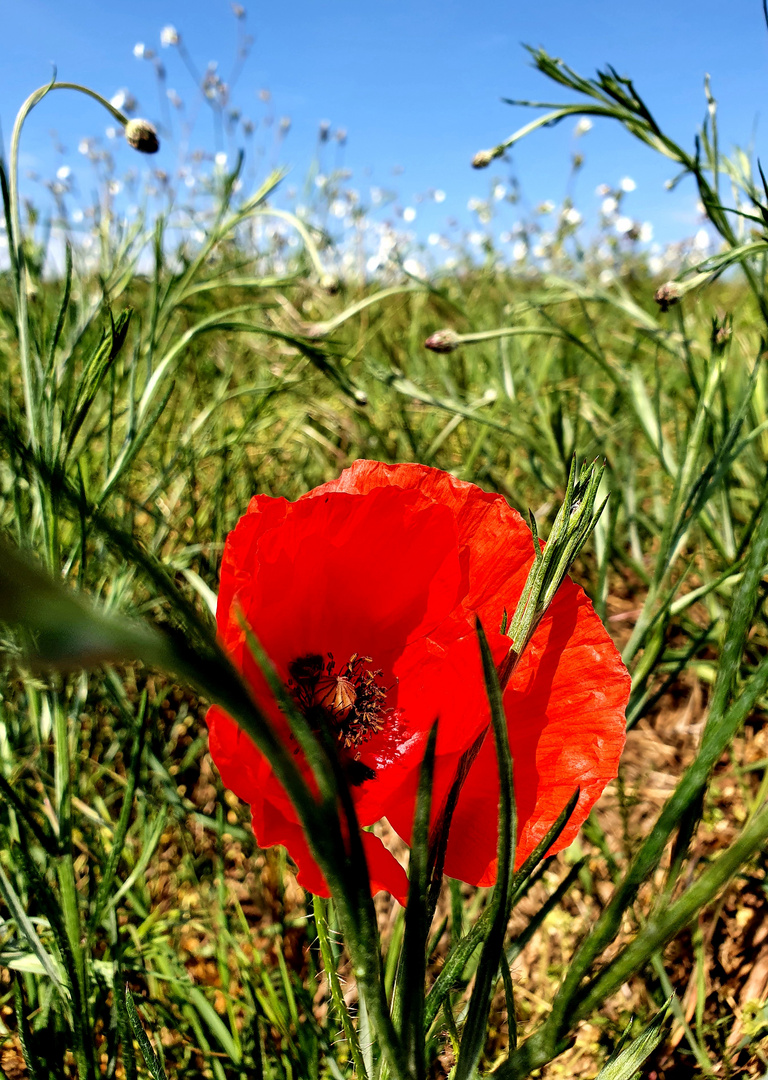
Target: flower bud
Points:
(169, 35)
(443, 341)
(483, 159)
(722, 329)
(667, 295)
(330, 283)
(142, 136)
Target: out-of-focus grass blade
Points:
(150, 1058)
(413, 964)
(146, 854)
(215, 1024)
(68, 632)
(121, 829)
(626, 1061)
(88, 385)
(474, 1036)
(24, 924)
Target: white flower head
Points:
(602, 189)
(433, 239)
(413, 266)
(124, 101)
(499, 192)
(609, 205)
(409, 214)
(701, 240)
(624, 224)
(546, 207)
(221, 159)
(519, 250)
(646, 232)
(63, 172)
(584, 125)
(139, 49)
(627, 184)
(439, 195)
(572, 216)
(169, 35)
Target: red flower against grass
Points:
(364, 595)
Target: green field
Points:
(162, 379)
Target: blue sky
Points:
(416, 84)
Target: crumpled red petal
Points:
(385, 872)
(396, 561)
(565, 705)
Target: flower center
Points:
(349, 701)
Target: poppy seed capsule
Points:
(142, 136)
(443, 341)
(336, 694)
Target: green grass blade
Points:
(150, 1058)
(626, 1063)
(473, 1038)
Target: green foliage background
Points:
(145, 401)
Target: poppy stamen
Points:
(349, 700)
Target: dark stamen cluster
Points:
(350, 702)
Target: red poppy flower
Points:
(364, 595)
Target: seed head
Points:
(330, 284)
(169, 35)
(667, 295)
(443, 341)
(483, 159)
(142, 136)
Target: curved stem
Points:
(30, 379)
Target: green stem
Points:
(319, 907)
(67, 883)
(28, 376)
(669, 921)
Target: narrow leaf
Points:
(474, 1035)
(624, 1064)
(150, 1058)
